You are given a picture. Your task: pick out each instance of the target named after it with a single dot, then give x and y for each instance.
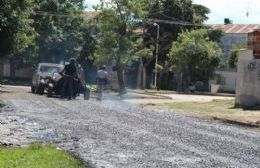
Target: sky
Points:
(236, 10)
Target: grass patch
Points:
(219, 106)
(217, 109)
(37, 156)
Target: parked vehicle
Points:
(55, 84)
(43, 72)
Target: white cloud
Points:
(234, 9)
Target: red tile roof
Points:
(91, 14)
(236, 28)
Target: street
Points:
(115, 134)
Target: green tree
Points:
(215, 35)
(88, 48)
(17, 34)
(233, 56)
(117, 42)
(195, 55)
(59, 24)
(174, 10)
(200, 13)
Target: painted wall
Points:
(229, 83)
(248, 80)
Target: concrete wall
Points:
(6, 70)
(22, 73)
(230, 77)
(248, 80)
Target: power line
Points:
(172, 22)
(43, 13)
(148, 20)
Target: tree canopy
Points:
(117, 40)
(59, 24)
(195, 55)
(17, 33)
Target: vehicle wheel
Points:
(33, 89)
(40, 90)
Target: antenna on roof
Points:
(248, 10)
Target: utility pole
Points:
(157, 53)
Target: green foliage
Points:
(233, 57)
(194, 54)
(215, 35)
(37, 156)
(145, 53)
(177, 10)
(17, 34)
(159, 67)
(43, 30)
(223, 65)
(117, 42)
(60, 29)
(200, 13)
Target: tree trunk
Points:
(12, 68)
(139, 78)
(144, 77)
(189, 74)
(179, 83)
(160, 82)
(121, 80)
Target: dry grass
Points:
(218, 109)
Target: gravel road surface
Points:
(115, 134)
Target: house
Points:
(235, 34)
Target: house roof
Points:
(236, 28)
(91, 14)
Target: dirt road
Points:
(115, 134)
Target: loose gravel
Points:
(114, 134)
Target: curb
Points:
(151, 94)
(252, 125)
(184, 93)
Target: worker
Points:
(69, 73)
(102, 80)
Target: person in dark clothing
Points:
(69, 73)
